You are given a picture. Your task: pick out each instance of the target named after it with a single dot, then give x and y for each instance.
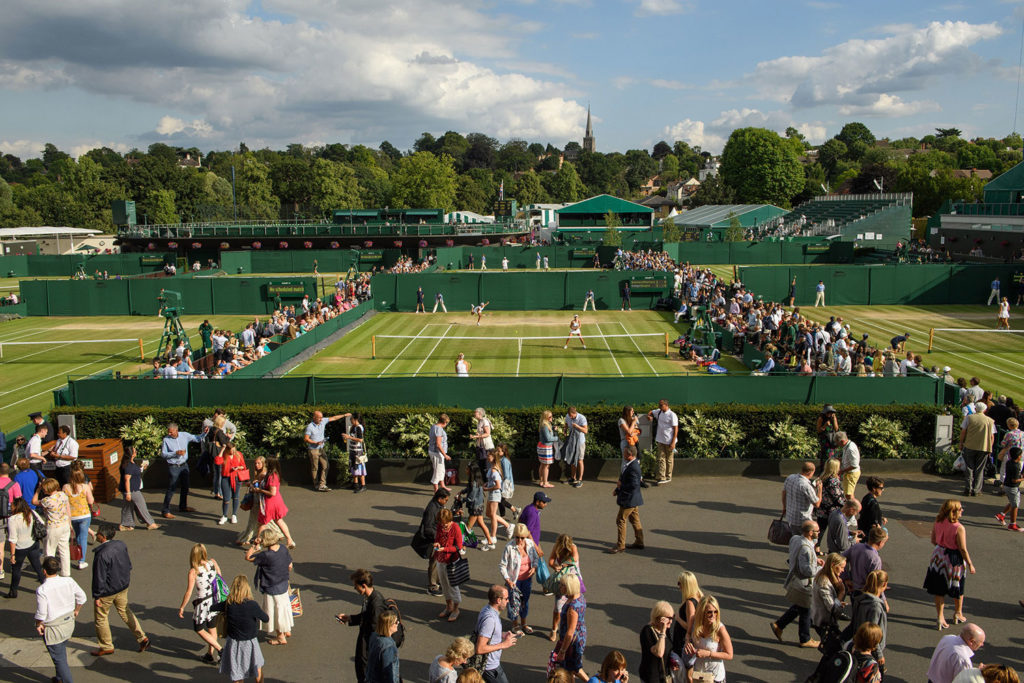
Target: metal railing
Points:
(314, 228)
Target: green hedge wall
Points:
(603, 441)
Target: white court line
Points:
(958, 355)
(399, 354)
(57, 345)
(638, 348)
(65, 372)
(519, 356)
(438, 343)
(610, 352)
(16, 335)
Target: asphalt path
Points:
(713, 526)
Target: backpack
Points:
(5, 500)
(399, 635)
(38, 528)
(476, 661)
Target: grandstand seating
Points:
(831, 214)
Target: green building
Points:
(591, 213)
(714, 219)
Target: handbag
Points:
(779, 532)
(295, 598)
(543, 573)
(361, 459)
(75, 552)
(798, 593)
(458, 571)
(38, 528)
(243, 475)
(246, 503)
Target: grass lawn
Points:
(996, 359)
(31, 373)
(502, 345)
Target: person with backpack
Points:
(865, 668)
(204, 576)
(10, 491)
(366, 619)
(382, 665)
(24, 531)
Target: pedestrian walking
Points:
(530, 516)
(315, 439)
(977, 434)
(629, 500)
(827, 594)
(826, 427)
(80, 504)
(802, 567)
(708, 640)
(437, 451)
(868, 607)
(518, 565)
(953, 654)
(22, 544)
(203, 573)
(267, 496)
(58, 601)
(241, 657)
(366, 619)
(691, 595)
(382, 663)
(949, 563)
(800, 497)
(849, 463)
(273, 572)
(134, 508)
(423, 539)
(572, 635)
(174, 451)
(492, 493)
(482, 440)
(448, 549)
(233, 473)
(111, 576)
(490, 639)
(57, 513)
(251, 504)
(564, 559)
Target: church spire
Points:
(588, 136)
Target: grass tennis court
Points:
(512, 343)
(996, 359)
(31, 372)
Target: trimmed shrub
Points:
(882, 438)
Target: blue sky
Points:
(211, 73)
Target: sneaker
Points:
(1002, 518)
(222, 520)
(577, 484)
(1014, 527)
(234, 519)
(83, 565)
(508, 532)
(565, 347)
(484, 547)
(663, 481)
(323, 489)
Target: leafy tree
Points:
(947, 132)
(713, 191)
(426, 143)
(514, 156)
(254, 190)
(528, 189)
(291, 179)
(482, 151)
(857, 138)
(52, 155)
(423, 180)
(612, 234)
(471, 195)
(374, 186)
(735, 232)
(390, 151)
(159, 206)
(547, 163)
(670, 232)
(761, 167)
(566, 185)
(1013, 140)
(333, 186)
(661, 150)
(639, 167)
(689, 159)
(454, 145)
(830, 154)
(669, 168)
(572, 148)
(536, 149)
(6, 197)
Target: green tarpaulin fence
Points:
(66, 265)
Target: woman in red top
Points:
(447, 549)
(272, 507)
(230, 471)
(949, 560)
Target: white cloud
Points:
(23, 149)
(362, 70)
(694, 134)
(649, 8)
(668, 84)
(889, 106)
(778, 121)
(865, 76)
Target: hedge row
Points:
(603, 441)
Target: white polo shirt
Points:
(665, 426)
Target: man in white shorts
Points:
(437, 450)
(575, 331)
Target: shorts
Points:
(1013, 495)
(494, 496)
(850, 482)
(545, 453)
(575, 333)
(207, 625)
(437, 469)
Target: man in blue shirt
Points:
(819, 295)
(490, 640)
(994, 294)
(315, 439)
(174, 450)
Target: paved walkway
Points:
(714, 526)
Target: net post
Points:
(142, 351)
(931, 338)
(373, 347)
(666, 345)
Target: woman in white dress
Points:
(461, 366)
(201, 574)
(708, 640)
(1003, 318)
(575, 331)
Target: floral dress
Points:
(574, 653)
(831, 499)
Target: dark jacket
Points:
(423, 540)
(627, 493)
(870, 514)
(367, 619)
(111, 569)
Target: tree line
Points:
(465, 172)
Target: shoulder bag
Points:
(458, 571)
(779, 533)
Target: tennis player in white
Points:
(478, 311)
(575, 331)
(462, 366)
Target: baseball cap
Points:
(946, 368)
(541, 497)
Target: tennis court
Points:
(512, 343)
(69, 346)
(997, 359)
